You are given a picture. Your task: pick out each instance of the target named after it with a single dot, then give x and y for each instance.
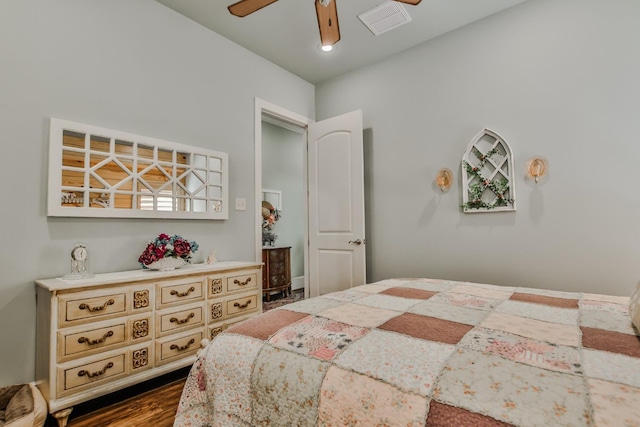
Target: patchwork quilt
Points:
(421, 352)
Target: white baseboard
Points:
(297, 283)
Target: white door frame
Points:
(296, 120)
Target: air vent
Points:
(385, 17)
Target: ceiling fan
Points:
(325, 10)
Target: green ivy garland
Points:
(476, 190)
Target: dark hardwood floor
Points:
(152, 403)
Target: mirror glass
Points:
(106, 173)
(274, 197)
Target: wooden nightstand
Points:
(276, 274)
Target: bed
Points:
(422, 352)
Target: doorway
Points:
(283, 188)
(280, 144)
(334, 240)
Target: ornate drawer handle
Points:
(245, 305)
(182, 294)
(85, 306)
(182, 347)
(180, 322)
(96, 341)
(97, 373)
(239, 283)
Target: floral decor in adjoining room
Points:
(270, 216)
(167, 247)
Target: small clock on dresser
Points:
(79, 262)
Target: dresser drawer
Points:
(279, 280)
(141, 358)
(216, 286)
(242, 304)
(140, 329)
(180, 292)
(241, 282)
(176, 320)
(172, 348)
(91, 373)
(89, 341)
(81, 307)
(215, 329)
(277, 255)
(216, 310)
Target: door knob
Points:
(356, 242)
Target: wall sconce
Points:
(536, 168)
(444, 179)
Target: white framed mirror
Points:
(98, 172)
(274, 197)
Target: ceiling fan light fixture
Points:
(326, 47)
(247, 7)
(328, 23)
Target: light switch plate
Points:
(241, 204)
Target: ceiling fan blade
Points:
(245, 7)
(328, 23)
(413, 2)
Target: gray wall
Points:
(283, 169)
(134, 66)
(555, 77)
(558, 78)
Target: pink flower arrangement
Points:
(165, 246)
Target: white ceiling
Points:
(286, 32)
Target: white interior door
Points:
(336, 204)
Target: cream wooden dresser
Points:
(98, 335)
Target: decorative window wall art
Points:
(488, 183)
(98, 172)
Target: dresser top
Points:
(57, 284)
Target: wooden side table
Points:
(276, 274)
